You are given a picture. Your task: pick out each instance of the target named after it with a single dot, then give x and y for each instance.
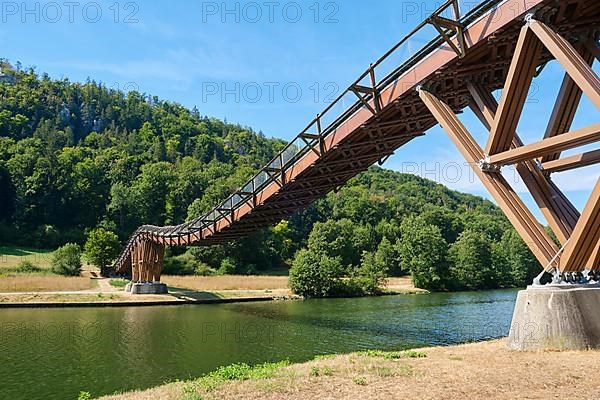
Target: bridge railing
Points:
(328, 120)
(444, 24)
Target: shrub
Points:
(27, 267)
(203, 269)
(228, 266)
(316, 275)
(67, 260)
(184, 264)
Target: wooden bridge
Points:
(499, 44)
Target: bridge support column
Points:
(556, 317)
(559, 316)
(146, 267)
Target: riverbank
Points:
(485, 370)
(182, 290)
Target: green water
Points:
(55, 353)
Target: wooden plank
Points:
(514, 94)
(584, 241)
(572, 162)
(562, 142)
(534, 235)
(577, 68)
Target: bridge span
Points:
(499, 44)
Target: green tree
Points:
(423, 251)
(471, 257)
(335, 239)
(514, 263)
(67, 260)
(388, 257)
(371, 275)
(102, 247)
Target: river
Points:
(55, 353)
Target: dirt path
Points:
(105, 286)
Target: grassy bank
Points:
(485, 370)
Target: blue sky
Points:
(268, 65)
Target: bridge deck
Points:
(389, 115)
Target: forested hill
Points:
(73, 156)
(78, 156)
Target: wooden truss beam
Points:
(562, 142)
(577, 68)
(536, 238)
(566, 104)
(520, 75)
(572, 162)
(583, 245)
(560, 213)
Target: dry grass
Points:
(402, 285)
(44, 283)
(486, 371)
(226, 282)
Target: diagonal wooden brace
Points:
(520, 75)
(534, 235)
(557, 209)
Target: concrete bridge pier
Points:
(146, 268)
(556, 317)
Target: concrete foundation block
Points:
(148, 288)
(556, 317)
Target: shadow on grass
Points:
(187, 294)
(14, 251)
